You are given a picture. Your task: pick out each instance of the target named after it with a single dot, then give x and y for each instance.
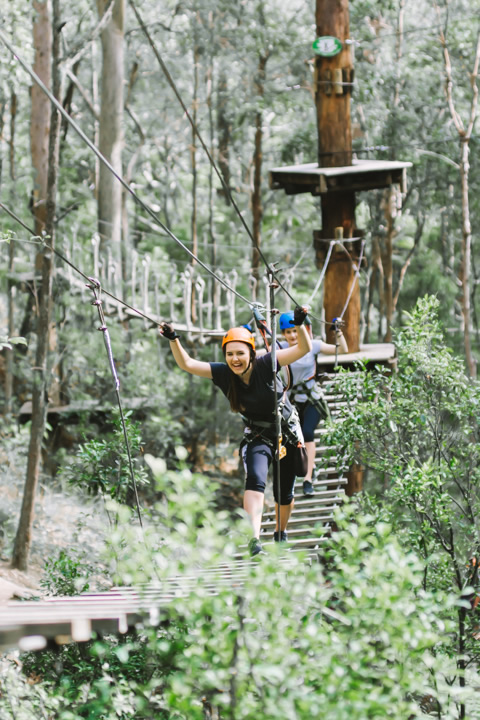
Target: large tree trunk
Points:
(111, 131)
(224, 131)
(387, 261)
(465, 134)
(466, 259)
(11, 262)
(333, 84)
(40, 119)
(257, 209)
(41, 371)
(193, 154)
(332, 96)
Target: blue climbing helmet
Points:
(286, 320)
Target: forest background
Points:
(245, 73)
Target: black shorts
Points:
(309, 419)
(257, 457)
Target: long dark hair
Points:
(232, 393)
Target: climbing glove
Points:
(168, 331)
(336, 322)
(299, 315)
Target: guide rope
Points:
(96, 289)
(354, 281)
(278, 450)
(322, 274)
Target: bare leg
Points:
(310, 448)
(253, 505)
(285, 512)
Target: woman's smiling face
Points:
(237, 356)
(290, 335)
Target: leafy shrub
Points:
(66, 574)
(355, 636)
(101, 465)
(417, 432)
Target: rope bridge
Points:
(35, 625)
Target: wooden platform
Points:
(361, 175)
(382, 353)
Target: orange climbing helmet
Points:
(239, 334)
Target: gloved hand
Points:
(336, 325)
(168, 331)
(299, 315)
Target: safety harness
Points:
(315, 395)
(291, 428)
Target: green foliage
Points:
(101, 465)
(416, 431)
(66, 574)
(9, 342)
(357, 638)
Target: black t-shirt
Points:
(257, 397)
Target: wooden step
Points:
(304, 505)
(297, 543)
(325, 483)
(295, 533)
(333, 495)
(305, 510)
(313, 518)
(325, 471)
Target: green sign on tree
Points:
(327, 46)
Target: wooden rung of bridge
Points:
(313, 515)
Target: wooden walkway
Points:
(34, 625)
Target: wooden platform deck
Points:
(359, 176)
(381, 353)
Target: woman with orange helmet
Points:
(249, 384)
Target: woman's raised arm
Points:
(328, 349)
(182, 358)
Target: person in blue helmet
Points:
(304, 391)
(250, 385)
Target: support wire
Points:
(94, 286)
(277, 450)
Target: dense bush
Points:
(417, 433)
(353, 637)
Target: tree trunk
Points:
(466, 259)
(211, 127)
(40, 119)
(257, 209)
(333, 78)
(390, 214)
(224, 130)
(333, 100)
(111, 131)
(465, 134)
(7, 409)
(23, 537)
(193, 155)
